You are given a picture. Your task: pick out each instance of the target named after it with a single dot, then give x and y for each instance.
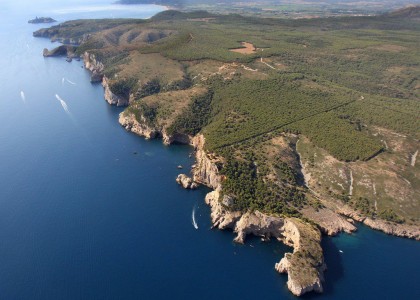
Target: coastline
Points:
(293, 232)
(205, 172)
(341, 225)
(286, 230)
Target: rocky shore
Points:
(130, 123)
(305, 265)
(303, 237)
(401, 230)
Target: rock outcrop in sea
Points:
(186, 182)
(39, 20)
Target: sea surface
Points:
(90, 211)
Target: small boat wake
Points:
(22, 96)
(194, 222)
(71, 82)
(63, 104)
(341, 251)
(67, 80)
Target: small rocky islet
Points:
(41, 20)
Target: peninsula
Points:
(300, 127)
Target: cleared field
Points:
(247, 48)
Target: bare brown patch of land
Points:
(396, 69)
(204, 69)
(247, 48)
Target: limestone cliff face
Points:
(259, 224)
(176, 138)
(94, 66)
(205, 170)
(401, 230)
(305, 266)
(110, 97)
(130, 123)
(221, 217)
(97, 75)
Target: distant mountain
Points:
(412, 12)
(158, 2)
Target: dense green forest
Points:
(253, 193)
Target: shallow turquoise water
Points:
(83, 217)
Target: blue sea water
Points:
(84, 217)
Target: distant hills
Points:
(412, 12)
(319, 8)
(389, 3)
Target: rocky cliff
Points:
(401, 230)
(305, 266)
(110, 97)
(205, 170)
(97, 68)
(94, 66)
(129, 121)
(63, 50)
